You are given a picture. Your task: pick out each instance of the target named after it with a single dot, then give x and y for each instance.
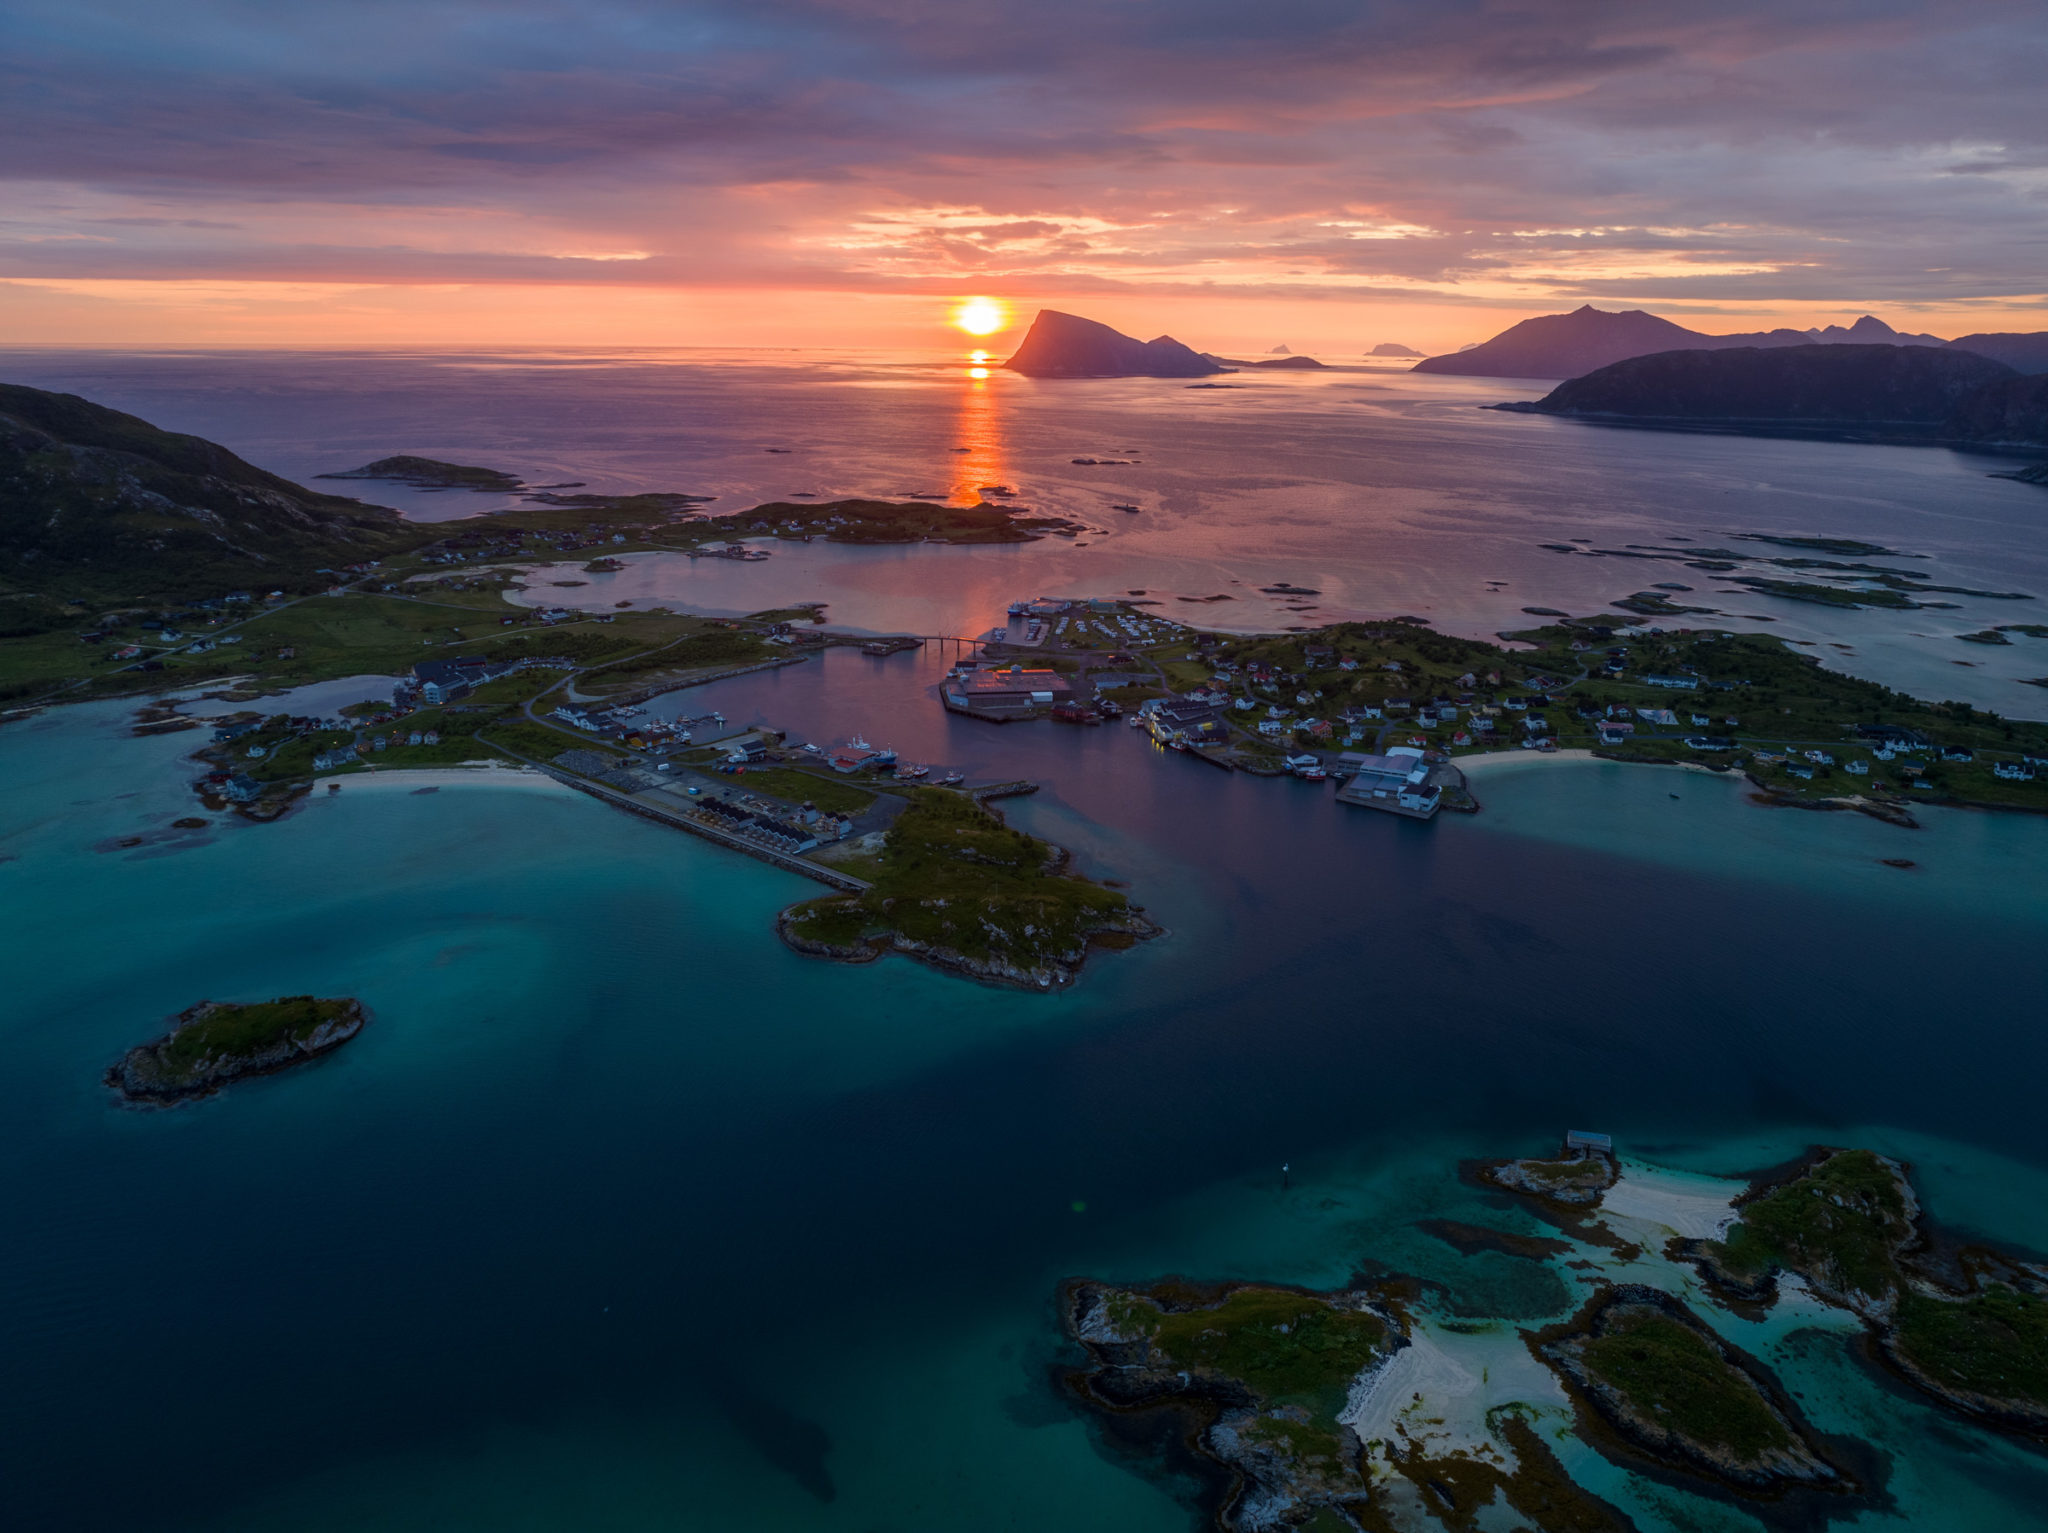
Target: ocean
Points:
(1387, 493)
(619, 1215)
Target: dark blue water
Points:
(618, 1193)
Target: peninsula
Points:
(954, 887)
(1900, 391)
(216, 1043)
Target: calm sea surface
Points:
(1386, 492)
(621, 1216)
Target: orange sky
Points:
(837, 172)
(133, 312)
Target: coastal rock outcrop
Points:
(1068, 346)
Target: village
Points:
(1384, 711)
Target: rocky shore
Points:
(216, 1043)
(1042, 973)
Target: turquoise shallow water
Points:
(621, 1216)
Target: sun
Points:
(981, 316)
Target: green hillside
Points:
(97, 506)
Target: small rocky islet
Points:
(1301, 1410)
(215, 1043)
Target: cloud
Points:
(1476, 150)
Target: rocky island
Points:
(1652, 1378)
(1387, 1405)
(433, 474)
(1068, 346)
(216, 1042)
(892, 521)
(953, 886)
(1967, 1325)
(1261, 1385)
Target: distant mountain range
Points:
(96, 505)
(1572, 345)
(1068, 346)
(1923, 392)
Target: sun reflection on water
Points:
(978, 435)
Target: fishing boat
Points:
(885, 757)
(909, 773)
(952, 780)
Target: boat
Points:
(912, 773)
(1136, 721)
(952, 780)
(1123, 508)
(885, 757)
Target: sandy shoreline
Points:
(1467, 764)
(413, 779)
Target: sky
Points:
(1328, 174)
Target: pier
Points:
(1016, 788)
(638, 804)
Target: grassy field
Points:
(832, 794)
(689, 647)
